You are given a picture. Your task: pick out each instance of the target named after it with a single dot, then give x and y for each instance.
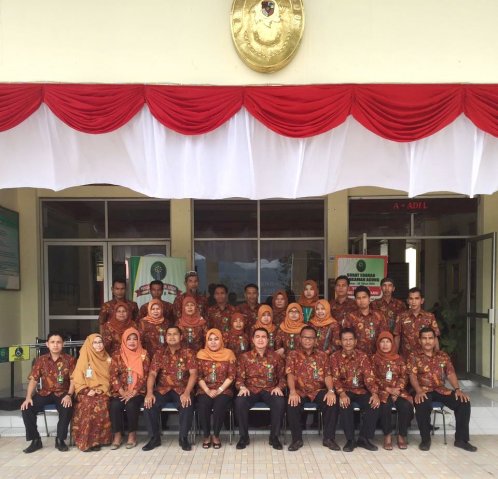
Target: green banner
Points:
(363, 270)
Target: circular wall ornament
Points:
(267, 34)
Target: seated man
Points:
(54, 369)
(176, 371)
(260, 377)
(310, 380)
(354, 381)
(428, 370)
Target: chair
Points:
(171, 407)
(262, 406)
(231, 424)
(50, 409)
(438, 408)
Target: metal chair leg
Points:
(46, 425)
(231, 426)
(444, 426)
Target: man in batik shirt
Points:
(118, 294)
(388, 305)
(250, 307)
(191, 285)
(220, 314)
(342, 305)
(156, 289)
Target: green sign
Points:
(4, 355)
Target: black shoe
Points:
(243, 442)
(34, 446)
(366, 444)
(96, 448)
(61, 445)
(349, 446)
(295, 445)
(152, 444)
(275, 442)
(466, 446)
(185, 444)
(425, 445)
(331, 444)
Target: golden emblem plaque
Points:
(267, 34)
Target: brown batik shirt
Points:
(431, 371)
(167, 311)
(214, 374)
(390, 374)
(367, 328)
(220, 318)
(107, 310)
(55, 375)
(391, 310)
(260, 373)
(173, 369)
(119, 375)
(339, 311)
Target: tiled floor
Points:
(257, 461)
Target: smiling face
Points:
(214, 342)
(98, 344)
(121, 313)
(189, 308)
(156, 311)
(266, 318)
(173, 337)
(320, 311)
(132, 342)
(348, 342)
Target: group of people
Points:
(344, 355)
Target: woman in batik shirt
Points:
(236, 338)
(288, 332)
(192, 325)
(308, 299)
(327, 328)
(113, 330)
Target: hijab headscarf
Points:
(235, 316)
(391, 355)
(115, 324)
(286, 299)
(196, 319)
(98, 362)
(264, 308)
(320, 323)
(290, 326)
(149, 318)
(223, 354)
(303, 300)
(133, 359)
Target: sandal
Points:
(216, 444)
(388, 445)
(402, 442)
(206, 444)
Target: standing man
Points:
(428, 370)
(342, 305)
(260, 377)
(388, 305)
(410, 323)
(156, 289)
(309, 378)
(175, 369)
(53, 370)
(118, 294)
(354, 381)
(250, 307)
(191, 285)
(368, 324)
(220, 314)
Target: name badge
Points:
(355, 381)
(389, 375)
(89, 372)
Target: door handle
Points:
(491, 316)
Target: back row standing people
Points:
(156, 289)
(390, 306)
(250, 307)
(342, 304)
(118, 294)
(192, 286)
(219, 314)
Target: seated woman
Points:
(216, 370)
(392, 376)
(236, 338)
(192, 325)
(308, 299)
(113, 330)
(327, 328)
(128, 374)
(91, 424)
(288, 333)
(153, 327)
(265, 321)
(279, 303)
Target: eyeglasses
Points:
(98, 342)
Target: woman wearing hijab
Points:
(216, 369)
(192, 325)
(128, 373)
(392, 376)
(91, 424)
(113, 330)
(153, 327)
(327, 328)
(287, 338)
(279, 303)
(308, 299)
(236, 338)
(265, 321)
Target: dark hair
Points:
(260, 329)
(344, 277)
(348, 330)
(55, 333)
(251, 285)
(191, 274)
(387, 279)
(308, 328)
(426, 329)
(118, 280)
(361, 289)
(416, 290)
(220, 286)
(156, 281)
(174, 326)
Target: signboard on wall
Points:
(362, 270)
(19, 353)
(141, 270)
(9, 249)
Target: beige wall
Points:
(158, 41)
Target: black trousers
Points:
(369, 419)
(132, 412)
(275, 403)
(404, 410)
(39, 402)
(460, 408)
(218, 406)
(329, 414)
(152, 415)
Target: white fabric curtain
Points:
(244, 159)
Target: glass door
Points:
(481, 308)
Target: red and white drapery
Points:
(253, 142)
